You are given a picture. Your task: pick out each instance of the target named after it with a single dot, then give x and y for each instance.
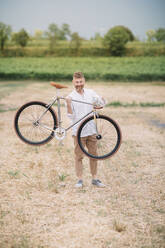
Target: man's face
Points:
(78, 84)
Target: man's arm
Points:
(68, 103)
(99, 102)
(103, 100)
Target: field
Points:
(113, 69)
(39, 206)
(41, 48)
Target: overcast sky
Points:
(84, 16)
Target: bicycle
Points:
(36, 123)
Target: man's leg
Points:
(92, 148)
(78, 157)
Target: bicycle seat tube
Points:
(59, 109)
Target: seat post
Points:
(57, 92)
(58, 87)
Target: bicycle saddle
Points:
(58, 86)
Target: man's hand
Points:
(98, 107)
(98, 103)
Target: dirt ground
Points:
(39, 206)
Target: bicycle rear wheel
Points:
(34, 123)
(107, 137)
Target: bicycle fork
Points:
(98, 136)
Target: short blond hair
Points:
(78, 74)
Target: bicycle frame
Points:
(59, 120)
(35, 118)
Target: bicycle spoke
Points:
(107, 136)
(30, 127)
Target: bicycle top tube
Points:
(77, 101)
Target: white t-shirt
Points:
(79, 110)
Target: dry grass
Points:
(39, 206)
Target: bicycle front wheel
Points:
(34, 123)
(107, 136)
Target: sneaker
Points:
(79, 184)
(98, 183)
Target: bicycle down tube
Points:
(59, 113)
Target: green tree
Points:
(150, 35)
(65, 31)
(21, 38)
(128, 31)
(76, 41)
(5, 32)
(97, 36)
(160, 34)
(115, 40)
(38, 34)
(53, 34)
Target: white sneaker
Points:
(79, 184)
(98, 183)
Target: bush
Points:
(5, 31)
(88, 49)
(160, 34)
(128, 31)
(145, 49)
(21, 38)
(115, 40)
(56, 52)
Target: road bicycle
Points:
(36, 123)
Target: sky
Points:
(84, 16)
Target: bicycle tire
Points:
(26, 126)
(109, 138)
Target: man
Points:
(75, 112)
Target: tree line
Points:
(114, 40)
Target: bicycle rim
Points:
(29, 130)
(107, 138)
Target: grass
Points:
(39, 206)
(9, 87)
(119, 226)
(134, 104)
(6, 110)
(13, 174)
(62, 177)
(99, 68)
(22, 243)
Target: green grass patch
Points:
(7, 88)
(3, 108)
(134, 104)
(99, 68)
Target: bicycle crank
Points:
(60, 133)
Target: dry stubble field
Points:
(39, 206)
